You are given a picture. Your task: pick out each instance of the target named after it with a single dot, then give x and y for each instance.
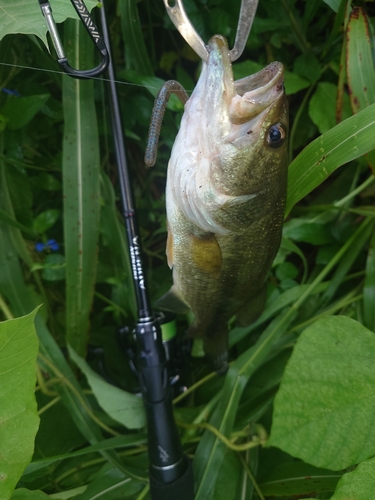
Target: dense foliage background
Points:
(303, 373)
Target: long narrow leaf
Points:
(81, 185)
(345, 142)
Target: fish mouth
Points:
(249, 97)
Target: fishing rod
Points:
(171, 475)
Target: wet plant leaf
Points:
(328, 388)
(17, 16)
(122, 406)
(357, 485)
(298, 478)
(46, 220)
(18, 413)
(19, 111)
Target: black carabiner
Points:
(92, 30)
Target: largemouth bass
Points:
(225, 197)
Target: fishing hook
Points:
(92, 30)
(180, 19)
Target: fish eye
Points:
(276, 135)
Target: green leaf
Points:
(298, 478)
(308, 231)
(286, 270)
(293, 82)
(21, 110)
(24, 494)
(122, 406)
(357, 485)
(334, 4)
(110, 483)
(18, 410)
(47, 181)
(46, 220)
(307, 66)
(360, 65)
(8, 219)
(137, 55)
(322, 106)
(17, 16)
(328, 388)
(126, 441)
(22, 301)
(81, 186)
(345, 142)
(54, 267)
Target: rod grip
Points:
(180, 489)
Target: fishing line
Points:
(100, 78)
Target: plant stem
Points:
(4, 307)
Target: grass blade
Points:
(345, 142)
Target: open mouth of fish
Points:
(245, 99)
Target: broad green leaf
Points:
(345, 142)
(122, 406)
(328, 388)
(308, 66)
(18, 409)
(322, 106)
(298, 478)
(46, 220)
(54, 267)
(81, 186)
(294, 83)
(357, 485)
(308, 231)
(17, 16)
(19, 111)
(47, 181)
(25, 494)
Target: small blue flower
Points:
(52, 245)
(39, 247)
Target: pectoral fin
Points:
(206, 253)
